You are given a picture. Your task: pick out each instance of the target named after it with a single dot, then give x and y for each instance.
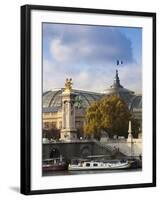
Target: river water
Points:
(66, 172)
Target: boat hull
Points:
(108, 167)
(55, 168)
(54, 164)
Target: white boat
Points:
(93, 165)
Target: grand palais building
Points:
(52, 104)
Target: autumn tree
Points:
(109, 114)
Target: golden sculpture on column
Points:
(68, 85)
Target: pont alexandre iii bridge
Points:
(78, 149)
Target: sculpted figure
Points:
(68, 85)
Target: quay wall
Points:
(79, 149)
(124, 146)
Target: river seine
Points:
(66, 172)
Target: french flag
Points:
(119, 62)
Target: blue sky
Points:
(88, 55)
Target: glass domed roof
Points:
(52, 100)
(136, 103)
(133, 101)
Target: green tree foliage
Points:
(109, 114)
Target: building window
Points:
(53, 124)
(46, 125)
(60, 125)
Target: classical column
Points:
(68, 131)
(129, 130)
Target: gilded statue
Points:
(68, 85)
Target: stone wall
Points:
(77, 149)
(125, 147)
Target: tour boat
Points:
(92, 165)
(54, 164)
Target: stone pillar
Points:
(130, 139)
(68, 131)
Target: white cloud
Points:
(89, 44)
(54, 77)
(60, 52)
(88, 56)
(131, 77)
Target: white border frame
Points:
(43, 183)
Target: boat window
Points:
(44, 162)
(113, 162)
(87, 164)
(95, 165)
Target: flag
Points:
(119, 62)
